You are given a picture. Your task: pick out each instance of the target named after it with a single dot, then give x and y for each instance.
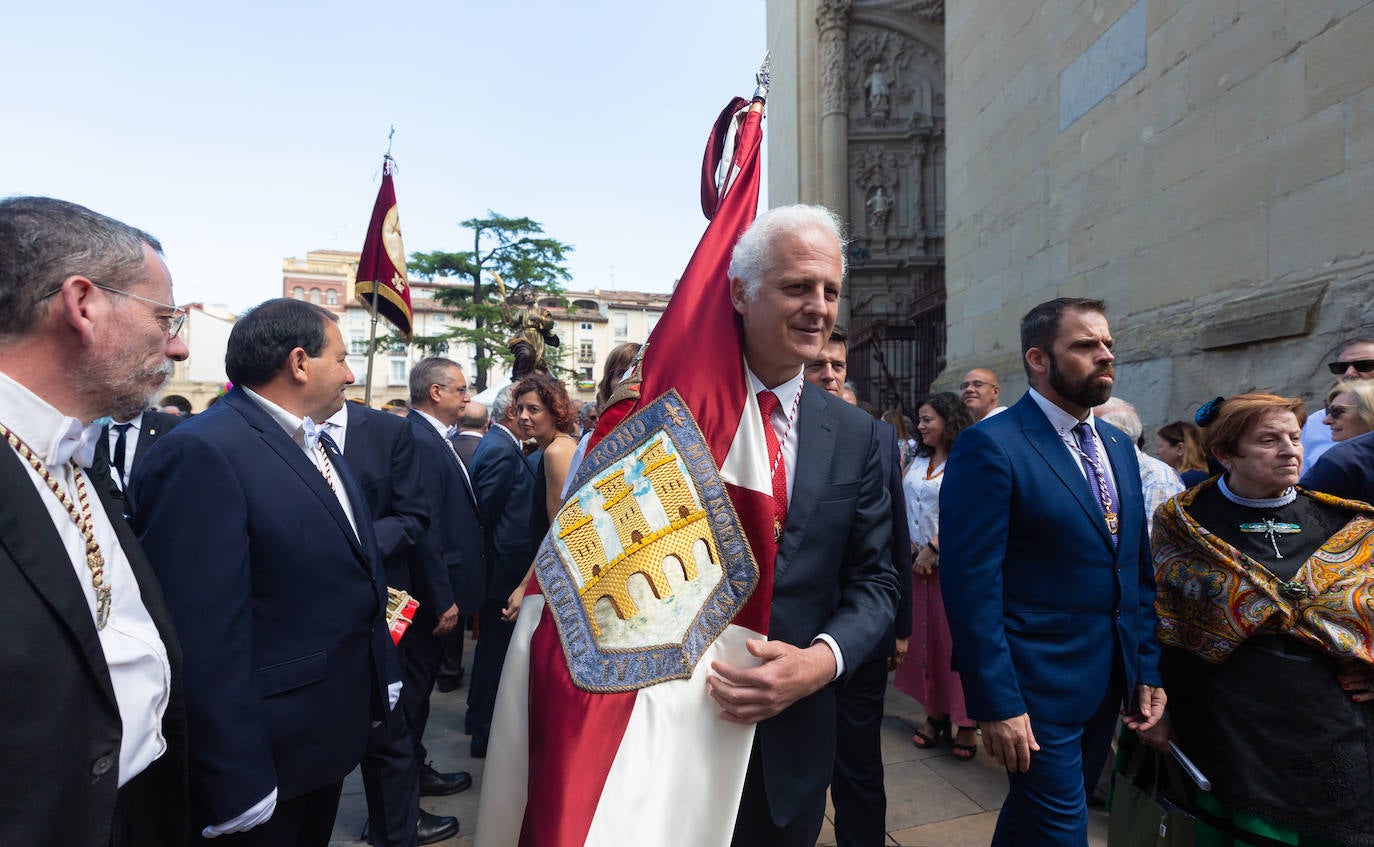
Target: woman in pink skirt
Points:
(926, 674)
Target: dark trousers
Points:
(1046, 805)
(856, 787)
(754, 825)
(451, 664)
(395, 751)
(488, 657)
(304, 821)
(146, 812)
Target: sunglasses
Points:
(1364, 366)
(1335, 412)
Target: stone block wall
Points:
(1221, 199)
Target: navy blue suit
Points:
(857, 787)
(380, 452)
(279, 606)
(1047, 616)
(505, 483)
(1346, 470)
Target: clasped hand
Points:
(788, 673)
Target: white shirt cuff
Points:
(834, 648)
(259, 813)
(393, 693)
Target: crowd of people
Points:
(198, 605)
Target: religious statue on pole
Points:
(531, 329)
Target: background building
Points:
(1204, 166)
(201, 375)
(856, 122)
(588, 326)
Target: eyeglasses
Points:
(1364, 366)
(171, 323)
(1335, 412)
(461, 389)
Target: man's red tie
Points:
(768, 402)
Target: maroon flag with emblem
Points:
(382, 268)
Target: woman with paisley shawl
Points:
(1265, 597)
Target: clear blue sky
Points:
(245, 133)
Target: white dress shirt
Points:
(130, 446)
(784, 422)
(140, 672)
(444, 434)
(337, 427)
(1063, 423)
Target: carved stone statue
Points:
(878, 87)
(532, 329)
(879, 206)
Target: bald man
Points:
(980, 391)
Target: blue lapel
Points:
(291, 453)
(1045, 440)
(815, 436)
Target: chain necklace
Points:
(1104, 493)
(81, 517)
(325, 466)
(791, 419)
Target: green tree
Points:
(512, 247)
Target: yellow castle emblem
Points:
(644, 548)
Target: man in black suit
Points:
(455, 543)
(834, 585)
(124, 443)
(471, 427)
(261, 539)
(92, 721)
(504, 482)
(856, 789)
(380, 451)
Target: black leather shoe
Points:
(449, 684)
(432, 828)
(435, 784)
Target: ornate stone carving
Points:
(879, 63)
(931, 10)
(876, 173)
(831, 13)
(832, 18)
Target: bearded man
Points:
(1047, 578)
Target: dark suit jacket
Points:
(278, 603)
(1041, 606)
(833, 574)
(466, 445)
(505, 492)
(62, 730)
(1346, 470)
(380, 451)
(891, 456)
(154, 426)
(455, 545)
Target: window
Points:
(438, 319)
(586, 352)
(396, 375)
(315, 296)
(622, 324)
(298, 293)
(585, 326)
(331, 297)
(357, 343)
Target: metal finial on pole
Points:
(762, 77)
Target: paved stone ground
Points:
(933, 800)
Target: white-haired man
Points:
(834, 586)
(1158, 481)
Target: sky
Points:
(245, 133)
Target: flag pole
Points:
(372, 338)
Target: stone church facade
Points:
(856, 121)
(1206, 167)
